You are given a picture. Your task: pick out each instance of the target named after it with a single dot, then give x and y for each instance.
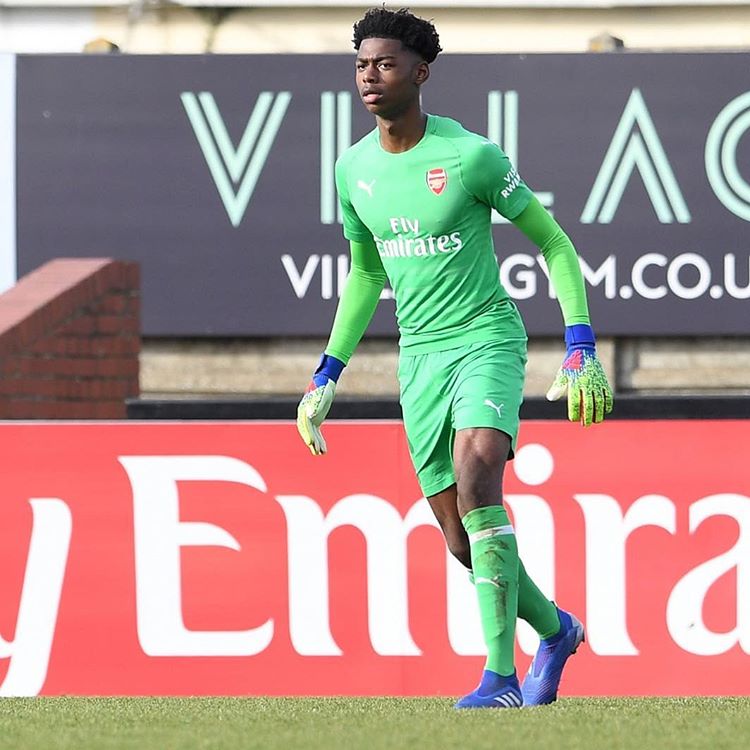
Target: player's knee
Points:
(479, 466)
(477, 489)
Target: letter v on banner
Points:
(236, 166)
(631, 148)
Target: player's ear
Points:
(422, 73)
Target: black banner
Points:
(216, 174)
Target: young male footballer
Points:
(417, 194)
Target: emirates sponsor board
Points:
(221, 558)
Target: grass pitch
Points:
(371, 723)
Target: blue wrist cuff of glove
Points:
(580, 336)
(329, 368)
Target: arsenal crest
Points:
(437, 179)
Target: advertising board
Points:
(221, 558)
(216, 174)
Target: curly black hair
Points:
(415, 33)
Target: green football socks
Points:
(534, 607)
(494, 561)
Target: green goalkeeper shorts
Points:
(476, 385)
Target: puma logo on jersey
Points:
(497, 407)
(362, 185)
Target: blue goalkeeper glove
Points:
(582, 377)
(315, 404)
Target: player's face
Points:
(389, 76)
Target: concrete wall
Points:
(237, 368)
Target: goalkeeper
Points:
(416, 195)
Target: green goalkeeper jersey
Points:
(428, 212)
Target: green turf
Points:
(372, 723)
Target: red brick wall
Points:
(69, 341)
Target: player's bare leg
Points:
(445, 507)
